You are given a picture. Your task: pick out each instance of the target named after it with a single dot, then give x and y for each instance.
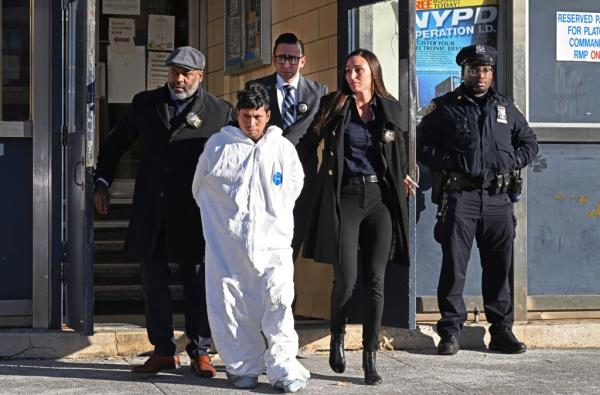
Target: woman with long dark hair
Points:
(359, 197)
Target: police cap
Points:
(476, 54)
(186, 57)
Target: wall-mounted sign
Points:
(121, 32)
(121, 7)
(247, 35)
(577, 36)
(126, 73)
(157, 71)
(161, 32)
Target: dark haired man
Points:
(245, 184)
(477, 139)
(294, 101)
(172, 123)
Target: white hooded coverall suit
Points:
(246, 193)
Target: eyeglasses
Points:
(474, 72)
(281, 59)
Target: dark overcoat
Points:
(169, 151)
(309, 93)
(322, 240)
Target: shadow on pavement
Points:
(116, 372)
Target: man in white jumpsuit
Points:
(246, 184)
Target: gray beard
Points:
(186, 93)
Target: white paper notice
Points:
(161, 32)
(157, 71)
(121, 7)
(126, 74)
(577, 36)
(121, 32)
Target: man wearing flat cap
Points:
(172, 123)
(475, 143)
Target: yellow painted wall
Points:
(313, 21)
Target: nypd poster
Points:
(577, 36)
(443, 27)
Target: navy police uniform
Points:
(474, 141)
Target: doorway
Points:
(124, 68)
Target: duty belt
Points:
(459, 181)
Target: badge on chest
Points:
(501, 111)
(388, 136)
(193, 120)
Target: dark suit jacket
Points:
(169, 151)
(309, 92)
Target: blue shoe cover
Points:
(242, 382)
(291, 385)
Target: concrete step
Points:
(120, 209)
(125, 273)
(123, 340)
(108, 246)
(129, 293)
(110, 233)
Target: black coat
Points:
(309, 93)
(480, 141)
(169, 151)
(322, 241)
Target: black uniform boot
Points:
(448, 345)
(337, 360)
(505, 341)
(370, 368)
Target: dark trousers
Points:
(159, 318)
(490, 220)
(366, 223)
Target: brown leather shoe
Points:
(202, 367)
(156, 363)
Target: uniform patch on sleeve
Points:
(277, 178)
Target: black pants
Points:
(366, 223)
(490, 220)
(159, 318)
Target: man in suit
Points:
(294, 101)
(172, 124)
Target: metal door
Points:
(386, 27)
(78, 143)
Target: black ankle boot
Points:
(370, 368)
(337, 360)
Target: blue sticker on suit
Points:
(277, 178)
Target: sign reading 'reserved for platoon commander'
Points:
(577, 36)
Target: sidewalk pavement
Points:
(128, 340)
(417, 372)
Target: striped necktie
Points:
(288, 110)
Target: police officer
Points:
(477, 139)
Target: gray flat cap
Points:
(187, 57)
